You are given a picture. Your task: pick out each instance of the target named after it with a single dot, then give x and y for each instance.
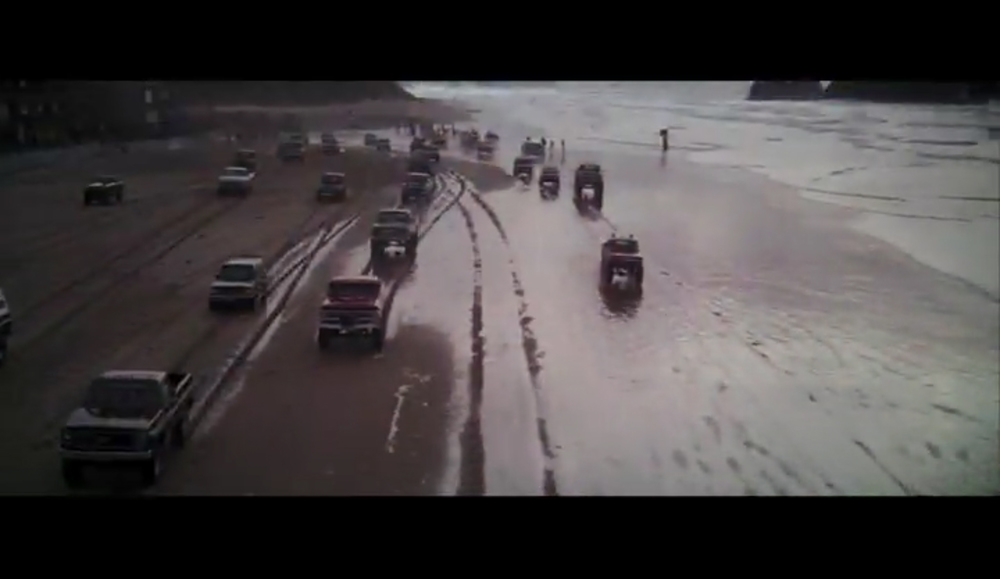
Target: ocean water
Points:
(923, 178)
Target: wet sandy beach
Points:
(775, 350)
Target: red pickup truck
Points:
(353, 309)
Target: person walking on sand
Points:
(665, 139)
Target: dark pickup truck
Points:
(104, 189)
(332, 187)
(394, 234)
(417, 189)
(127, 417)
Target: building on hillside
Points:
(43, 113)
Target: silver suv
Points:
(240, 282)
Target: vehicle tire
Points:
(378, 341)
(149, 470)
(212, 307)
(252, 304)
(322, 341)
(3, 351)
(605, 275)
(178, 437)
(638, 277)
(72, 474)
(119, 197)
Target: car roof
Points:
(157, 375)
(244, 261)
(356, 279)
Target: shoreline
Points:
(965, 246)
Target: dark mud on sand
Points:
(346, 421)
(328, 423)
(472, 481)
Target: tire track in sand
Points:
(529, 343)
(472, 474)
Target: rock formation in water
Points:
(785, 90)
(285, 92)
(903, 92)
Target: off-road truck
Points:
(127, 417)
(353, 309)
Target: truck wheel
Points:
(638, 277)
(178, 437)
(3, 351)
(150, 470)
(119, 197)
(72, 473)
(378, 341)
(322, 341)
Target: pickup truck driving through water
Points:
(394, 234)
(353, 308)
(417, 189)
(127, 417)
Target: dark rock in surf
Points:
(785, 90)
(903, 92)
(985, 91)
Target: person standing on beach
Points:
(665, 139)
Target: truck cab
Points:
(416, 188)
(524, 166)
(127, 417)
(394, 234)
(621, 258)
(332, 187)
(246, 158)
(353, 308)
